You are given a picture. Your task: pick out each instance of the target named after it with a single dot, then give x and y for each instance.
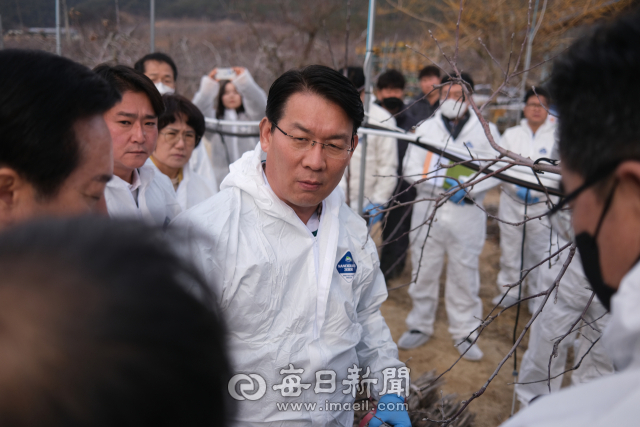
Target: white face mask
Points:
(163, 88)
(453, 109)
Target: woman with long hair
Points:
(230, 95)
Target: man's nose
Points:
(315, 158)
(139, 135)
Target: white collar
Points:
(135, 181)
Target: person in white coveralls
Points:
(381, 163)
(181, 128)
(555, 320)
(599, 144)
(296, 275)
(459, 228)
(534, 138)
(137, 190)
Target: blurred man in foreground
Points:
(600, 158)
(97, 329)
(299, 277)
(55, 148)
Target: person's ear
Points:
(265, 134)
(355, 145)
(11, 185)
(628, 175)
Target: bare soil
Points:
(465, 378)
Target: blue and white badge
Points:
(543, 150)
(347, 267)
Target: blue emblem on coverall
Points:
(347, 267)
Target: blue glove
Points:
(525, 195)
(458, 195)
(392, 410)
(375, 213)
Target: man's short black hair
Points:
(540, 91)
(429, 71)
(319, 80)
(465, 77)
(177, 106)
(156, 56)
(42, 97)
(126, 79)
(99, 328)
(391, 79)
(594, 86)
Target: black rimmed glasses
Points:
(560, 215)
(338, 149)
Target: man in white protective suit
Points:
(459, 228)
(599, 144)
(137, 189)
(295, 273)
(556, 320)
(533, 138)
(381, 163)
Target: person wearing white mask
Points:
(295, 272)
(161, 69)
(136, 190)
(181, 128)
(534, 138)
(232, 95)
(459, 228)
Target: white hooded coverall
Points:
(157, 204)
(458, 232)
(554, 321)
(287, 297)
(193, 188)
(382, 161)
(608, 401)
(538, 245)
(222, 150)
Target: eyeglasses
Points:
(536, 106)
(338, 150)
(560, 215)
(172, 137)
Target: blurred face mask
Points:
(590, 254)
(392, 104)
(453, 109)
(163, 88)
